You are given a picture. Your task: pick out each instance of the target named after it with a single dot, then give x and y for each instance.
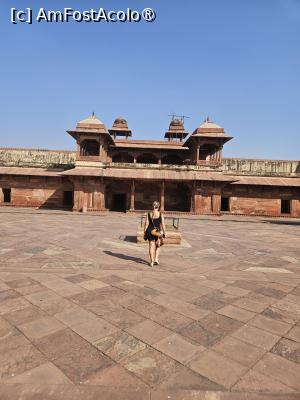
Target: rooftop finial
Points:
(208, 119)
(93, 115)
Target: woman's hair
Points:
(156, 204)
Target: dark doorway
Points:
(119, 202)
(68, 200)
(285, 206)
(6, 195)
(225, 204)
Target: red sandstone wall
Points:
(259, 206)
(36, 191)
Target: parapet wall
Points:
(60, 159)
(37, 158)
(240, 166)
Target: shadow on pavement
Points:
(125, 257)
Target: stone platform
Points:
(82, 315)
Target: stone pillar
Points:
(193, 192)
(215, 203)
(85, 202)
(197, 153)
(99, 197)
(132, 193)
(162, 196)
(1, 196)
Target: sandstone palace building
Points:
(185, 172)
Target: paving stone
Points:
(18, 360)
(25, 315)
(81, 363)
(8, 295)
(248, 284)
(250, 305)
(92, 284)
(70, 392)
(19, 283)
(46, 373)
(40, 327)
(42, 299)
(266, 300)
(200, 334)
(119, 345)
(218, 368)
(30, 289)
(288, 306)
(214, 300)
(5, 328)
(256, 337)
(280, 315)
(78, 278)
(270, 325)
(288, 349)
(168, 318)
(178, 348)
(281, 369)
(188, 295)
(294, 334)
(12, 340)
(239, 351)
(254, 381)
(293, 299)
(93, 330)
(123, 318)
(68, 291)
(62, 342)
(97, 295)
(104, 306)
(117, 377)
(150, 366)
(188, 380)
(12, 305)
(184, 308)
(212, 284)
(75, 316)
(149, 331)
(234, 291)
(236, 313)
(271, 292)
(3, 287)
(111, 279)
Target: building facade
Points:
(112, 171)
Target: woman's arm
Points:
(163, 224)
(146, 223)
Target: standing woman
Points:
(154, 232)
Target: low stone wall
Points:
(240, 166)
(37, 158)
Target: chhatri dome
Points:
(91, 123)
(120, 128)
(209, 127)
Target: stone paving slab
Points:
(82, 315)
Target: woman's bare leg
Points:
(157, 249)
(152, 250)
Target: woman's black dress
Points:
(154, 223)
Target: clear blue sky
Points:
(235, 60)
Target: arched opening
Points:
(171, 159)
(147, 158)
(89, 147)
(117, 196)
(122, 158)
(177, 197)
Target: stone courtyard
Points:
(83, 316)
